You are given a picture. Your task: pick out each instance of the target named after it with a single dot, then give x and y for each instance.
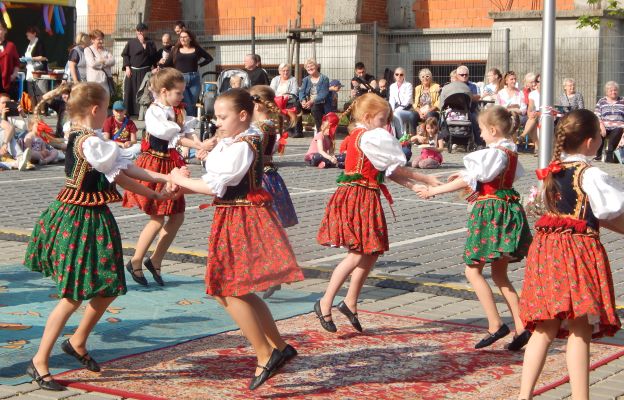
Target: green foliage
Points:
(612, 9)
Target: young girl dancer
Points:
(568, 287)
(166, 125)
(272, 182)
(354, 217)
(241, 260)
(498, 229)
(76, 240)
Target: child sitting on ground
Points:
(122, 130)
(428, 133)
(321, 151)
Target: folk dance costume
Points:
(165, 126)
(567, 272)
(497, 225)
(240, 258)
(76, 240)
(354, 217)
(272, 182)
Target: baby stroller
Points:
(455, 102)
(208, 96)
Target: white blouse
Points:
(503, 98)
(485, 165)
(160, 122)
(382, 149)
(401, 97)
(606, 195)
(228, 162)
(104, 156)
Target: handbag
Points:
(112, 88)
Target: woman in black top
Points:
(185, 58)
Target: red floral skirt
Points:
(154, 207)
(568, 276)
(248, 251)
(354, 219)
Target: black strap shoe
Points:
(353, 318)
(270, 291)
(85, 360)
(155, 272)
(40, 379)
(519, 341)
(327, 325)
(276, 360)
(138, 279)
(493, 337)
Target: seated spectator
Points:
(429, 158)
(40, 151)
(122, 130)
(321, 151)
(570, 99)
(509, 96)
(429, 133)
(286, 85)
(533, 114)
(529, 85)
(382, 90)
(14, 145)
(331, 104)
(236, 82)
(400, 98)
(610, 111)
(313, 92)
(426, 97)
(495, 83)
(362, 82)
(463, 75)
(58, 104)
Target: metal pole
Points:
(253, 35)
(506, 50)
(375, 49)
(547, 122)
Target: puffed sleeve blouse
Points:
(383, 150)
(228, 163)
(104, 156)
(160, 122)
(606, 195)
(485, 165)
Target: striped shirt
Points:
(611, 114)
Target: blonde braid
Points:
(272, 107)
(47, 98)
(349, 110)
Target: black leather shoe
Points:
(270, 291)
(327, 325)
(493, 337)
(138, 279)
(155, 274)
(289, 353)
(40, 379)
(89, 362)
(519, 341)
(269, 369)
(342, 307)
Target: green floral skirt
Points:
(497, 228)
(80, 248)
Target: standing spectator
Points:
(139, 56)
(426, 96)
(178, 28)
(362, 82)
(400, 98)
(9, 64)
(185, 57)
(35, 60)
(99, 60)
(76, 69)
(610, 112)
(163, 53)
(314, 91)
(570, 99)
(257, 75)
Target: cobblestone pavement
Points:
(421, 275)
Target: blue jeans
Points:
(191, 92)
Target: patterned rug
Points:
(142, 320)
(396, 358)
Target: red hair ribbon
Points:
(281, 102)
(45, 132)
(281, 143)
(552, 168)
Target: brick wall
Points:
(374, 10)
(163, 10)
(468, 13)
(233, 16)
